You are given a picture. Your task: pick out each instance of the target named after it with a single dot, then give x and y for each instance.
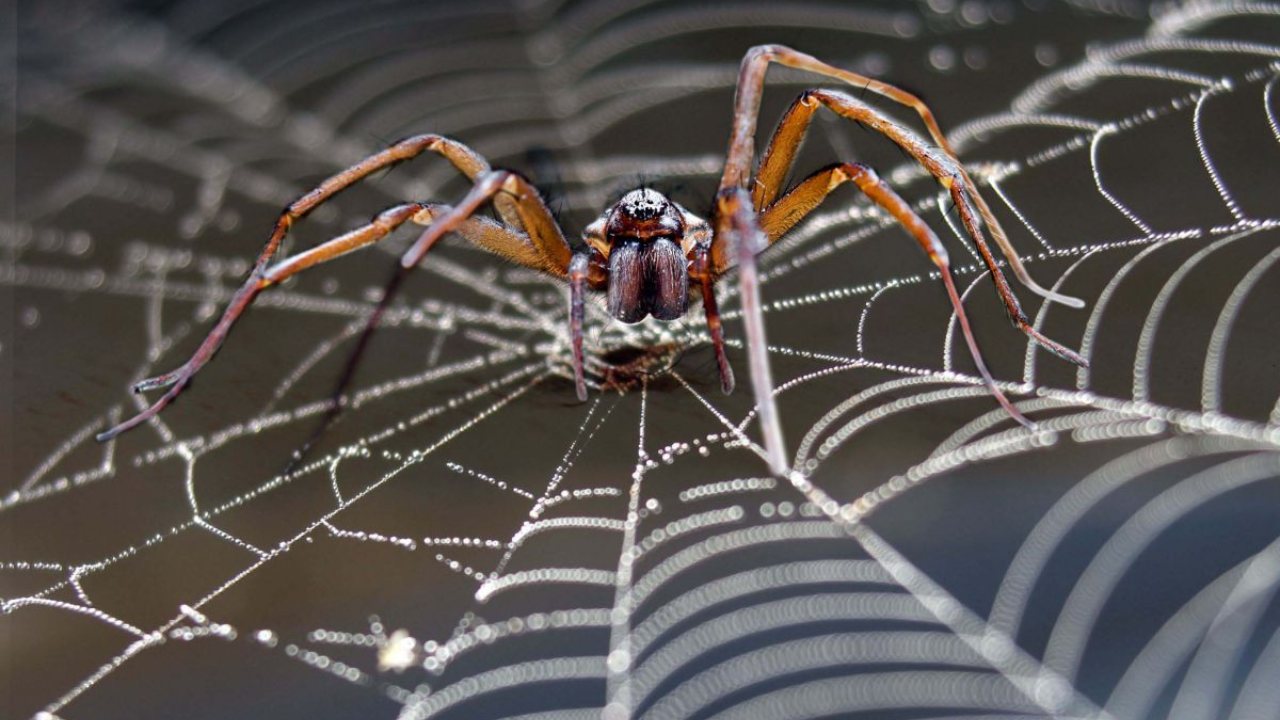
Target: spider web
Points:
(466, 541)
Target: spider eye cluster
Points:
(644, 214)
(643, 204)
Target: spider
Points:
(649, 255)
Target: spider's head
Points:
(644, 215)
(648, 272)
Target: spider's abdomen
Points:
(648, 277)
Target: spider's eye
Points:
(643, 215)
(643, 204)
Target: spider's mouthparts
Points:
(648, 279)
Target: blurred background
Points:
(466, 540)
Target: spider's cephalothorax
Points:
(641, 242)
(647, 253)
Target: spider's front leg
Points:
(740, 234)
(530, 236)
(746, 109)
(779, 157)
(702, 272)
(737, 226)
(737, 230)
(259, 279)
(784, 213)
(578, 270)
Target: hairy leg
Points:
(805, 197)
(260, 279)
(736, 229)
(779, 158)
(543, 247)
(700, 271)
(747, 109)
(577, 310)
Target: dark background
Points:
(152, 144)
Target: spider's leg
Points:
(577, 310)
(463, 158)
(480, 231)
(701, 271)
(1014, 309)
(782, 214)
(508, 241)
(541, 247)
(780, 155)
(382, 225)
(746, 111)
(736, 226)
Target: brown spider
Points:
(650, 255)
